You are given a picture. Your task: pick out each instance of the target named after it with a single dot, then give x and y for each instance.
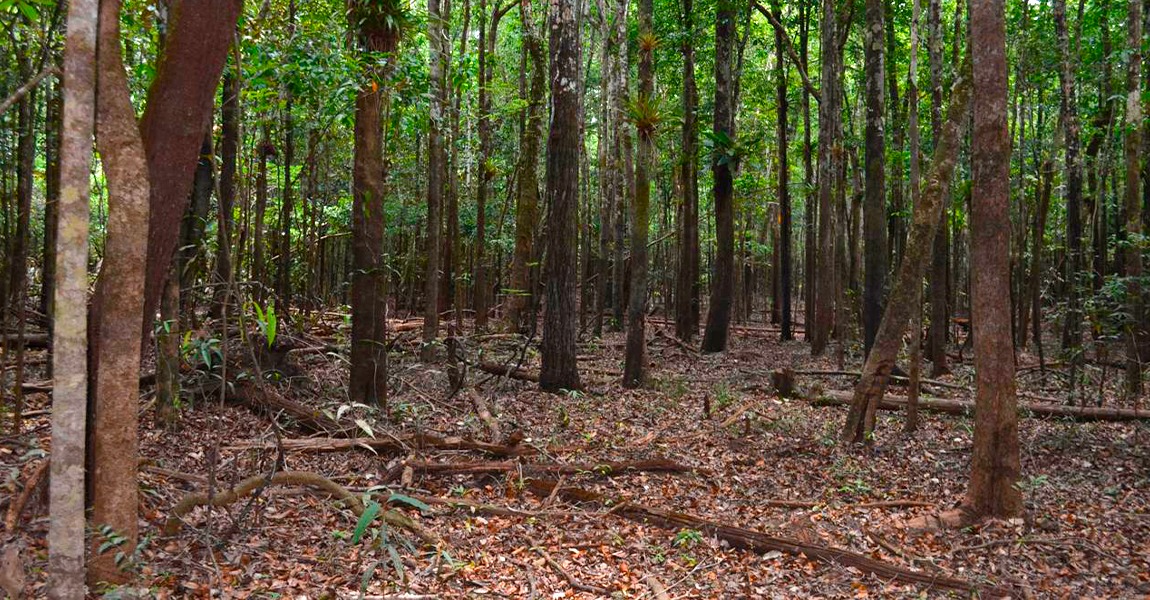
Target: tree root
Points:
(965, 407)
(759, 542)
(302, 478)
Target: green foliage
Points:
(266, 321)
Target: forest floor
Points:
(753, 460)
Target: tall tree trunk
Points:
(860, 423)
(436, 170)
(831, 158)
(258, 266)
(283, 272)
(916, 198)
(66, 539)
(188, 257)
(1135, 335)
(687, 285)
(178, 105)
(229, 145)
(810, 200)
(527, 190)
(560, 369)
(1072, 332)
(375, 22)
(785, 259)
(116, 312)
(52, 141)
(874, 206)
(995, 465)
(635, 364)
(940, 258)
(722, 171)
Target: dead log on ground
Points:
(966, 407)
(398, 443)
(518, 373)
(755, 541)
(606, 469)
(302, 478)
(266, 399)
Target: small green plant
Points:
(688, 538)
(724, 397)
(113, 540)
(382, 536)
(206, 350)
(1032, 484)
(266, 321)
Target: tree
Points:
(1133, 139)
(560, 369)
(784, 183)
(66, 538)
(687, 280)
(722, 172)
(1072, 332)
(939, 311)
(116, 314)
(178, 103)
(995, 465)
(860, 422)
(646, 117)
(378, 28)
(229, 148)
(874, 205)
(438, 45)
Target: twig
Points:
(575, 583)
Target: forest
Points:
(644, 299)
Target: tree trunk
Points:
(116, 309)
(368, 383)
(52, 137)
(810, 224)
(722, 171)
(1135, 334)
(283, 272)
(859, 427)
(436, 170)
(687, 285)
(940, 259)
(66, 539)
(229, 145)
(785, 259)
(172, 127)
(1072, 332)
(527, 192)
(635, 364)
(831, 158)
(874, 206)
(911, 423)
(560, 369)
(995, 463)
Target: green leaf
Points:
(369, 515)
(408, 500)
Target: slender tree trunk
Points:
(527, 191)
(995, 465)
(831, 159)
(66, 539)
(874, 206)
(257, 270)
(810, 200)
(940, 258)
(229, 145)
(915, 198)
(1072, 332)
(560, 369)
(635, 364)
(722, 170)
(283, 272)
(436, 171)
(687, 286)
(860, 423)
(116, 312)
(52, 142)
(785, 259)
(375, 22)
(1135, 335)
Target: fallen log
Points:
(518, 373)
(398, 443)
(248, 486)
(606, 469)
(754, 541)
(31, 340)
(266, 399)
(966, 407)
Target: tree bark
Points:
(119, 302)
(940, 259)
(687, 285)
(436, 171)
(874, 205)
(1072, 332)
(635, 363)
(179, 102)
(995, 465)
(560, 369)
(66, 540)
(229, 146)
(784, 185)
(1135, 334)
(722, 172)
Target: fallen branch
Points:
(266, 399)
(966, 407)
(575, 583)
(28, 86)
(17, 507)
(518, 373)
(607, 469)
(754, 541)
(400, 443)
(302, 478)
